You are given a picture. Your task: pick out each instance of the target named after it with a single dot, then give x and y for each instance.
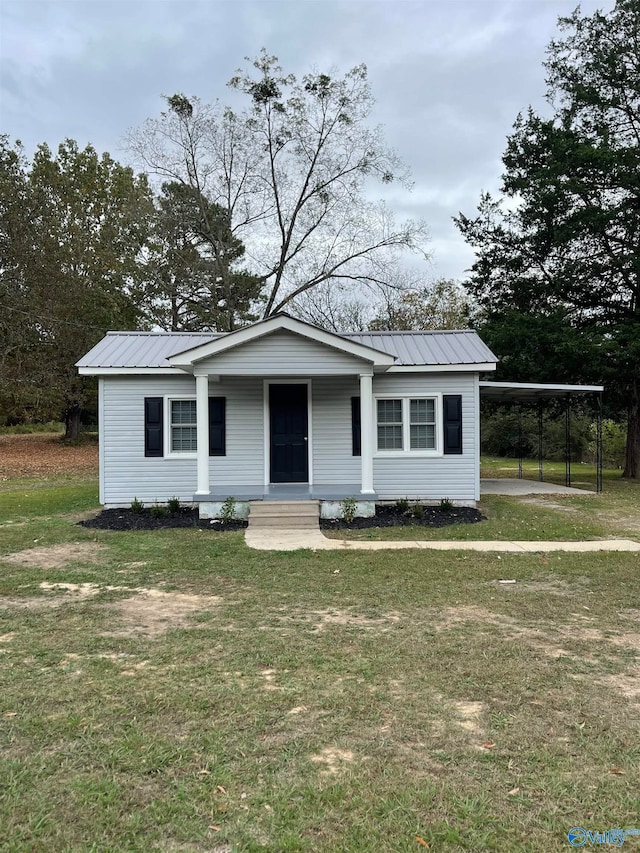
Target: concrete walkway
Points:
(271, 539)
(508, 486)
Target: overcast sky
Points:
(449, 76)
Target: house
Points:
(283, 409)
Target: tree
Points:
(194, 281)
(70, 266)
(562, 241)
(443, 304)
(292, 171)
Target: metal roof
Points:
(142, 349)
(503, 392)
(429, 347)
(151, 349)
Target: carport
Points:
(535, 395)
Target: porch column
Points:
(202, 421)
(366, 432)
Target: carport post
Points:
(519, 441)
(540, 464)
(599, 442)
(567, 441)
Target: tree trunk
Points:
(72, 424)
(632, 462)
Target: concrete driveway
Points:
(513, 486)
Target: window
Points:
(389, 424)
(183, 426)
(408, 425)
(422, 424)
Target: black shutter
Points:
(153, 426)
(355, 427)
(452, 423)
(217, 426)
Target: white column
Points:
(366, 432)
(202, 416)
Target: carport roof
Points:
(504, 392)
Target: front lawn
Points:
(615, 513)
(175, 691)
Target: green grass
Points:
(615, 513)
(309, 701)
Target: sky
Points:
(449, 77)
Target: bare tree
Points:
(293, 170)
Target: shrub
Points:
(446, 505)
(402, 505)
(228, 511)
(158, 511)
(173, 504)
(348, 507)
(136, 506)
(418, 511)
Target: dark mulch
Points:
(394, 516)
(127, 519)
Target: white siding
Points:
(430, 478)
(283, 354)
(333, 463)
(128, 473)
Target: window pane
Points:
(422, 411)
(183, 439)
(389, 437)
(183, 411)
(422, 437)
(389, 411)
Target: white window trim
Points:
(406, 452)
(168, 452)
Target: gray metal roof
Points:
(503, 392)
(151, 349)
(142, 349)
(429, 347)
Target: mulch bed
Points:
(386, 516)
(127, 519)
(394, 516)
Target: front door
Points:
(288, 422)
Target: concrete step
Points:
(291, 515)
(259, 507)
(287, 522)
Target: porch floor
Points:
(286, 492)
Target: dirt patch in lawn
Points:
(56, 556)
(548, 504)
(539, 639)
(331, 760)
(151, 612)
(45, 454)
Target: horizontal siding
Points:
(430, 478)
(333, 463)
(283, 354)
(128, 473)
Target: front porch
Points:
(285, 492)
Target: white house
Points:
(283, 409)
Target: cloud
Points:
(449, 78)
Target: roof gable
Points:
(276, 323)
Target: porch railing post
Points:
(366, 432)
